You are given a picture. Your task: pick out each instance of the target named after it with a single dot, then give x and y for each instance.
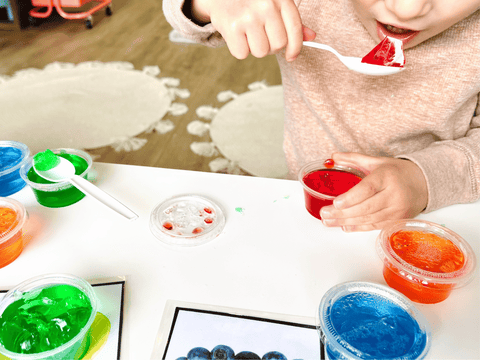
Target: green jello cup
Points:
(73, 349)
(59, 194)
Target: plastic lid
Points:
(187, 220)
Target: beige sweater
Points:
(429, 113)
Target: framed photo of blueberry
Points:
(191, 331)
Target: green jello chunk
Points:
(46, 160)
(44, 321)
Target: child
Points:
(417, 132)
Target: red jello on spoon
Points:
(389, 52)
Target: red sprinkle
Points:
(209, 220)
(197, 230)
(168, 226)
(329, 163)
(208, 210)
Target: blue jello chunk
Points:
(11, 182)
(376, 327)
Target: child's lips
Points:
(396, 32)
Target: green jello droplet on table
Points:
(45, 321)
(46, 160)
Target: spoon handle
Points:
(323, 47)
(89, 189)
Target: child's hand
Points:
(393, 189)
(259, 27)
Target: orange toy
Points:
(60, 4)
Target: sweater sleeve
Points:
(207, 35)
(452, 167)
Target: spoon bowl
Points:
(355, 63)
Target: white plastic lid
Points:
(187, 220)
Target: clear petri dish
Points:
(187, 220)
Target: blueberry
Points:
(247, 355)
(199, 353)
(223, 352)
(274, 355)
(182, 358)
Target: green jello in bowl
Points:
(47, 317)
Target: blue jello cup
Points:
(78, 345)
(362, 320)
(60, 194)
(13, 155)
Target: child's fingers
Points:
(238, 45)
(258, 41)
(294, 28)
(277, 35)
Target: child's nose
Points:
(409, 9)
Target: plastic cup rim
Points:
(457, 278)
(69, 280)
(320, 165)
(21, 213)
(57, 186)
(340, 290)
(25, 155)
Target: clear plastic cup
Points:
(58, 194)
(334, 181)
(13, 155)
(417, 283)
(12, 219)
(78, 345)
(363, 320)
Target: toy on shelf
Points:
(60, 4)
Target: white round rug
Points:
(86, 106)
(247, 131)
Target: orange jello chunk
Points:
(12, 245)
(8, 220)
(427, 251)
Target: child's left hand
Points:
(393, 189)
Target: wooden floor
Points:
(137, 32)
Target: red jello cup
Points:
(322, 184)
(428, 269)
(12, 219)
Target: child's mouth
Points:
(399, 33)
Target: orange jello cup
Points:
(12, 218)
(424, 261)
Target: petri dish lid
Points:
(187, 220)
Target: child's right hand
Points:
(259, 27)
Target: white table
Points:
(272, 257)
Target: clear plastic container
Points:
(58, 194)
(334, 180)
(12, 218)
(73, 349)
(13, 155)
(187, 220)
(419, 284)
(363, 320)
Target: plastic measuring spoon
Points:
(355, 63)
(57, 169)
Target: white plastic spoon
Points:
(355, 63)
(65, 171)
